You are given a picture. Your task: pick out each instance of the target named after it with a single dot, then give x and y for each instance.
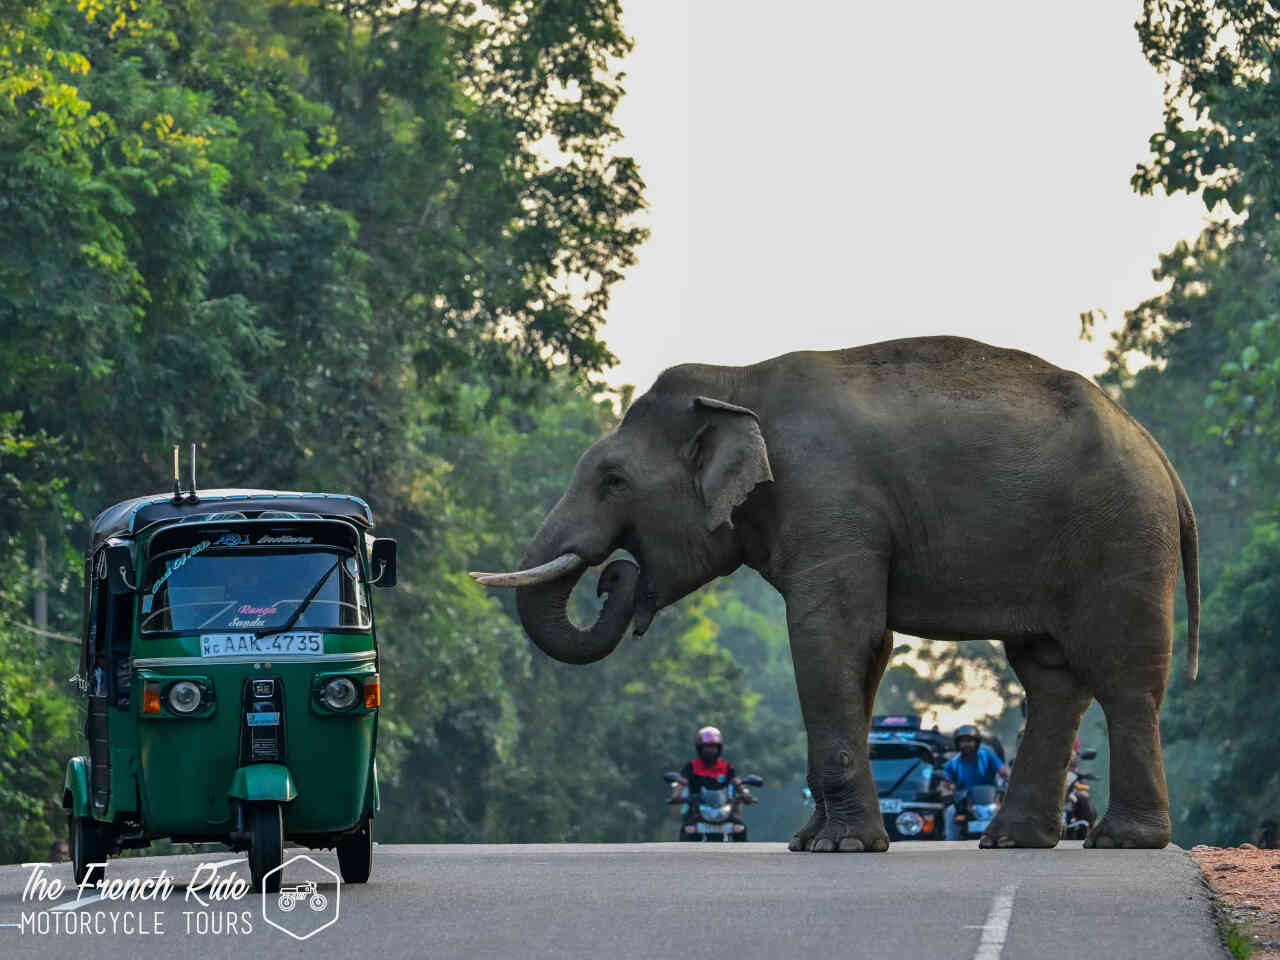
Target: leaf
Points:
(1236, 196)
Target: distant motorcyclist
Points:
(1084, 809)
(975, 765)
(710, 770)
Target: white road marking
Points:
(997, 926)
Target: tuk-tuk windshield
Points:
(247, 591)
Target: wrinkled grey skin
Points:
(939, 487)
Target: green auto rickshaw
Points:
(229, 678)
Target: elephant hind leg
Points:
(1128, 673)
(1056, 700)
(1138, 814)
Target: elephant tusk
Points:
(553, 570)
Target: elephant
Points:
(939, 487)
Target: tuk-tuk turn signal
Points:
(372, 692)
(151, 699)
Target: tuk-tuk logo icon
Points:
(284, 903)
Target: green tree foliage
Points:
(346, 245)
(37, 721)
(1233, 705)
(1221, 125)
(37, 734)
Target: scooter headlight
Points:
(909, 823)
(339, 694)
(185, 697)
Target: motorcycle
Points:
(1078, 813)
(716, 814)
(976, 808)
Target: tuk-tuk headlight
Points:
(185, 697)
(339, 694)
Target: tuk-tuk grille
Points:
(262, 726)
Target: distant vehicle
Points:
(906, 763)
(1078, 811)
(976, 808)
(717, 813)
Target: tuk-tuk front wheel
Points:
(266, 845)
(355, 854)
(88, 846)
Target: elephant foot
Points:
(840, 837)
(1121, 831)
(803, 836)
(1010, 832)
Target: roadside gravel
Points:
(1246, 881)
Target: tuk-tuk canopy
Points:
(128, 517)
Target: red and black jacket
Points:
(713, 776)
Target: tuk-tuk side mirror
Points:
(120, 570)
(382, 561)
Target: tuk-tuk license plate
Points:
(247, 644)
(890, 805)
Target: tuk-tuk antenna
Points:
(177, 486)
(191, 494)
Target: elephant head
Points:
(662, 487)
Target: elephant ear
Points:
(729, 458)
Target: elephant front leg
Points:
(839, 658)
(817, 820)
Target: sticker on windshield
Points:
(249, 644)
(172, 565)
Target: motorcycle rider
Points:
(975, 765)
(710, 770)
(1084, 809)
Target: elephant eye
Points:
(613, 482)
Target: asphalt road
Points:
(924, 900)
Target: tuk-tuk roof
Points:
(130, 516)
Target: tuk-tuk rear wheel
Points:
(355, 854)
(266, 846)
(88, 845)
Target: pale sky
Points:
(822, 175)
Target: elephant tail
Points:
(1189, 538)
(1190, 572)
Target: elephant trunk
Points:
(544, 613)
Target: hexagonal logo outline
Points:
(337, 896)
